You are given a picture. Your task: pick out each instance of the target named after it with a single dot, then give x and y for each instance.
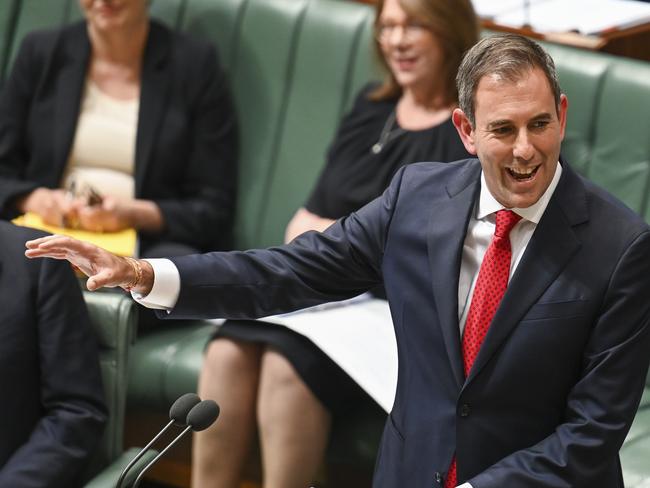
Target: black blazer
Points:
(559, 376)
(186, 147)
(52, 411)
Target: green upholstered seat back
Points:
(621, 155)
(320, 79)
(113, 317)
(291, 81)
(264, 51)
(581, 76)
(8, 12)
(39, 14)
(218, 22)
(169, 11)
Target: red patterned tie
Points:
(490, 287)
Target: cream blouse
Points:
(103, 150)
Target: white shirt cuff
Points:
(465, 485)
(166, 286)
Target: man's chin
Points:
(523, 201)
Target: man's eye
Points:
(540, 124)
(501, 131)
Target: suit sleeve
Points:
(209, 184)
(71, 388)
(314, 268)
(602, 404)
(15, 102)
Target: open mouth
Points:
(523, 174)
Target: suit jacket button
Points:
(438, 478)
(465, 410)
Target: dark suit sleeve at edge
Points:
(602, 404)
(339, 263)
(71, 388)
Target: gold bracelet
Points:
(137, 269)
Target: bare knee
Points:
(277, 370)
(227, 356)
(282, 392)
(229, 367)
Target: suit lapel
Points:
(69, 92)
(153, 95)
(445, 244)
(549, 250)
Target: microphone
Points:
(202, 416)
(178, 413)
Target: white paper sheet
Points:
(358, 335)
(584, 16)
(489, 9)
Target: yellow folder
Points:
(122, 243)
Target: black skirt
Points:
(331, 385)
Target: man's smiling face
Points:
(517, 135)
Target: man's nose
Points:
(523, 148)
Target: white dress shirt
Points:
(479, 236)
(480, 230)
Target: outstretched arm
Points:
(340, 263)
(102, 268)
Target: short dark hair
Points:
(509, 56)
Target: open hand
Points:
(102, 268)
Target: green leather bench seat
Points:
(165, 364)
(294, 68)
(114, 320)
(582, 74)
(621, 155)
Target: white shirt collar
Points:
(487, 204)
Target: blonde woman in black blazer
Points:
(184, 160)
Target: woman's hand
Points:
(53, 206)
(110, 215)
(302, 221)
(102, 268)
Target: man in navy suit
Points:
(52, 412)
(556, 379)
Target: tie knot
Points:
(506, 220)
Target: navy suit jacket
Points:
(52, 411)
(558, 379)
(186, 144)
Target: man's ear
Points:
(465, 130)
(561, 114)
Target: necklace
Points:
(388, 133)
